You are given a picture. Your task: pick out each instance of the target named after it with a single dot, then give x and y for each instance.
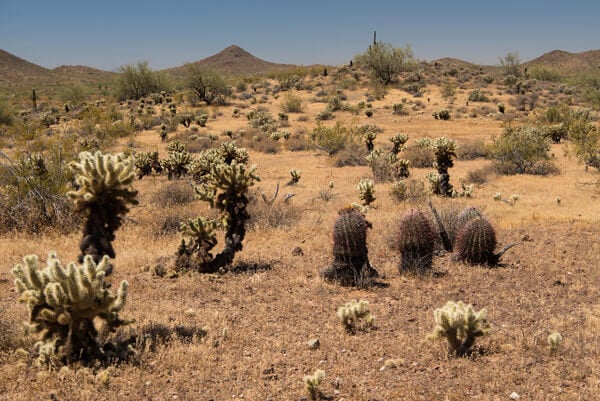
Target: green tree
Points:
(208, 84)
(138, 80)
(385, 62)
(511, 63)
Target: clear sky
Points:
(107, 33)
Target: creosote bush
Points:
(460, 325)
(63, 303)
(522, 150)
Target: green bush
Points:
(137, 81)
(291, 103)
(208, 84)
(478, 95)
(333, 139)
(6, 113)
(522, 150)
(385, 62)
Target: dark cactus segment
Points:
(415, 241)
(475, 243)
(351, 263)
(462, 219)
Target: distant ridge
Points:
(234, 60)
(568, 63)
(16, 71)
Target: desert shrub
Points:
(387, 167)
(521, 150)
(409, 190)
(174, 193)
(33, 188)
(460, 325)
(352, 154)
(478, 95)
(542, 73)
(524, 102)
(262, 119)
(291, 103)
(419, 157)
(471, 150)
(442, 114)
(137, 81)
(384, 61)
(448, 91)
(333, 139)
(478, 176)
(6, 113)
(511, 64)
(272, 211)
(324, 115)
(208, 84)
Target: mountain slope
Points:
(14, 70)
(233, 60)
(568, 63)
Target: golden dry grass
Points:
(258, 322)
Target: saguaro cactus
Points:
(63, 303)
(351, 262)
(415, 241)
(103, 195)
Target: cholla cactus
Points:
(444, 150)
(354, 312)
(201, 119)
(554, 340)
(103, 196)
(145, 162)
(177, 164)
(460, 325)
(370, 137)
(295, 176)
(398, 142)
(63, 303)
(163, 132)
(312, 382)
(195, 253)
(366, 191)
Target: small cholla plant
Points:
(460, 325)
(366, 191)
(312, 382)
(554, 341)
(145, 162)
(225, 187)
(370, 137)
(351, 262)
(103, 195)
(163, 132)
(63, 303)
(353, 313)
(177, 164)
(416, 242)
(443, 114)
(201, 119)
(295, 176)
(398, 142)
(186, 119)
(444, 150)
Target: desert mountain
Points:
(234, 60)
(16, 71)
(568, 63)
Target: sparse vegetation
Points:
(384, 61)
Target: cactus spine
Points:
(415, 241)
(63, 303)
(351, 263)
(103, 196)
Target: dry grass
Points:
(257, 322)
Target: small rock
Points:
(514, 396)
(313, 344)
(297, 251)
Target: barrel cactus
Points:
(475, 243)
(415, 241)
(351, 263)
(63, 303)
(464, 217)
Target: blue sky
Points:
(106, 33)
